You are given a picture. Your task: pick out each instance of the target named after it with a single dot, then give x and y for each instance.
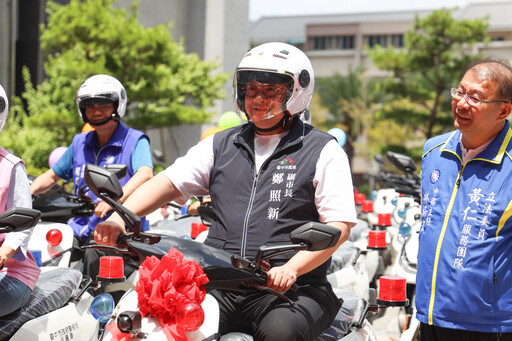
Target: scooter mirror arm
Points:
(106, 247)
(130, 218)
(277, 250)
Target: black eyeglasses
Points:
(268, 91)
(472, 100)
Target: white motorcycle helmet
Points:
(276, 63)
(101, 89)
(4, 107)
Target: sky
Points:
(259, 8)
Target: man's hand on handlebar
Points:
(281, 278)
(107, 232)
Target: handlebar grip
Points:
(294, 287)
(121, 240)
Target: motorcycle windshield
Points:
(205, 255)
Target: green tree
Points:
(165, 85)
(432, 61)
(351, 102)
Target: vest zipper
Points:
(247, 215)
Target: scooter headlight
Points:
(102, 307)
(190, 317)
(405, 229)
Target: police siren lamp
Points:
(392, 292)
(111, 269)
(384, 220)
(377, 240)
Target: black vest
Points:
(263, 208)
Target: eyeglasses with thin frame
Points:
(472, 100)
(268, 91)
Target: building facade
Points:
(336, 42)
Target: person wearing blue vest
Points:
(265, 178)
(464, 277)
(101, 102)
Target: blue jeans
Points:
(14, 294)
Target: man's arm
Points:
(150, 196)
(281, 278)
(44, 182)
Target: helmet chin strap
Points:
(284, 124)
(114, 116)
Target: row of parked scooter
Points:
(356, 271)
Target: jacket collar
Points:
(493, 153)
(295, 135)
(115, 140)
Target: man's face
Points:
(99, 111)
(477, 123)
(264, 103)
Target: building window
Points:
(334, 43)
(498, 38)
(344, 42)
(320, 43)
(376, 39)
(397, 40)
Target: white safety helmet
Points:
(100, 88)
(4, 107)
(276, 63)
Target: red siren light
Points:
(392, 291)
(367, 206)
(196, 229)
(54, 237)
(377, 240)
(190, 316)
(359, 198)
(111, 269)
(384, 219)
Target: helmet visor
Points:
(262, 95)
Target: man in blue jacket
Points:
(464, 278)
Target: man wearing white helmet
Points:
(18, 269)
(265, 178)
(101, 102)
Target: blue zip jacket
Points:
(464, 278)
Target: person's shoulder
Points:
(438, 140)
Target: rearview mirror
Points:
(18, 219)
(317, 236)
(118, 170)
(102, 181)
(403, 162)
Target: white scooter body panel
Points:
(152, 326)
(38, 241)
(71, 322)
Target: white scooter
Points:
(224, 271)
(52, 238)
(59, 307)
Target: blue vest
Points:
(464, 278)
(256, 208)
(118, 150)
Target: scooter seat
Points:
(53, 290)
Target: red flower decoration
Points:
(165, 285)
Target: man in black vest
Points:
(265, 178)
